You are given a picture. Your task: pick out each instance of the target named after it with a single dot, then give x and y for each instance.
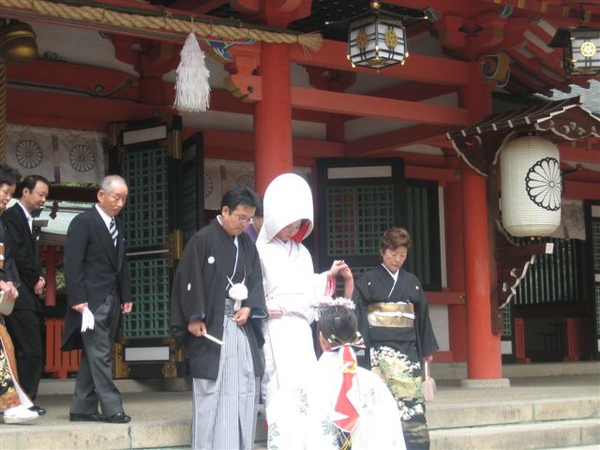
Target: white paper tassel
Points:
(192, 91)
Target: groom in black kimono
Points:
(219, 266)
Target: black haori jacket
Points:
(200, 288)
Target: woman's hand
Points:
(337, 267)
(10, 291)
(274, 311)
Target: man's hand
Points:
(39, 286)
(241, 317)
(79, 307)
(197, 327)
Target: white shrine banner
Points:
(220, 175)
(58, 154)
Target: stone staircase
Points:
(552, 405)
(516, 424)
(559, 409)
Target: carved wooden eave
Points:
(558, 121)
(512, 265)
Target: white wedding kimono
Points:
(289, 283)
(301, 417)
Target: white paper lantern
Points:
(531, 187)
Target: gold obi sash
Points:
(393, 315)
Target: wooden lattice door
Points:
(164, 199)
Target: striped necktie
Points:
(113, 231)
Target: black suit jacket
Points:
(93, 270)
(24, 251)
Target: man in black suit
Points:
(98, 284)
(24, 324)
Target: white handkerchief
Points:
(87, 320)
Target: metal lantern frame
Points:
(376, 40)
(581, 50)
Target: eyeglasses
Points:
(243, 219)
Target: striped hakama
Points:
(225, 409)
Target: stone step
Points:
(547, 435)
(541, 413)
(458, 371)
(511, 412)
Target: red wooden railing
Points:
(59, 363)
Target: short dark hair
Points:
(9, 175)
(393, 238)
(30, 182)
(259, 209)
(240, 195)
(338, 324)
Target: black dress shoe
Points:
(119, 417)
(38, 409)
(95, 417)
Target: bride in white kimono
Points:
(338, 405)
(290, 284)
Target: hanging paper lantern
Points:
(531, 187)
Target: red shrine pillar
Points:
(273, 113)
(273, 117)
(484, 358)
(455, 262)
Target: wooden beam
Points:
(250, 89)
(219, 141)
(432, 174)
(372, 145)
(427, 69)
(579, 155)
(534, 66)
(367, 106)
(198, 6)
(75, 78)
(559, 13)
(581, 190)
(414, 91)
(530, 81)
(75, 111)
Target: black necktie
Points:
(113, 231)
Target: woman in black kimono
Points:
(394, 321)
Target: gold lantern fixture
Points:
(377, 39)
(17, 42)
(581, 50)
